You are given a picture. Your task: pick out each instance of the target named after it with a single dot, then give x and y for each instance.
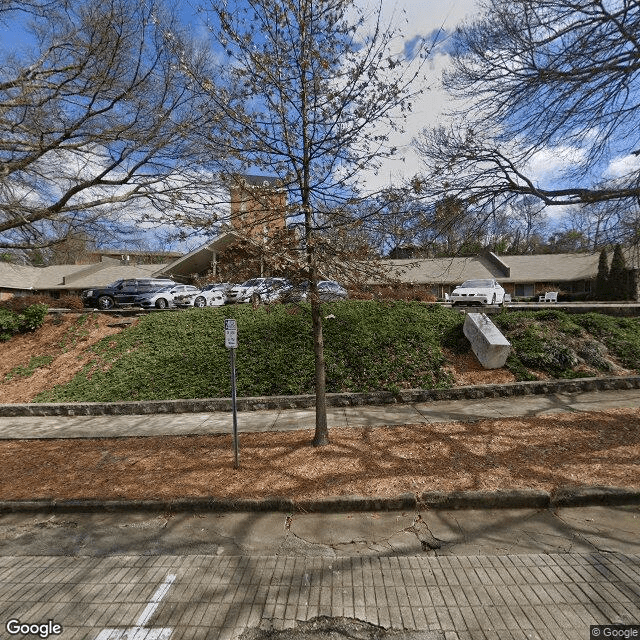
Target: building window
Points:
(524, 290)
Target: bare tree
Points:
(541, 75)
(309, 91)
(34, 7)
(529, 225)
(97, 125)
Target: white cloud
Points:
(621, 166)
(417, 19)
(548, 164)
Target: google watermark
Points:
(599, 631)
(16, 627)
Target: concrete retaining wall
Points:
(206, 405)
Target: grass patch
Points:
(25, 371)
(620, 335)
(563, 345)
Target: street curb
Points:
(432, 501)
(408, 396)
(595, 496)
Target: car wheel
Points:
(105, 302)
(255, 298)
(161, 303)
(200, 302)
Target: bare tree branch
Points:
(100, 123)
(541, 75)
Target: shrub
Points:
(9, 324)
(32, 317)
(28, 320)
(406, 292)
(18, 304)
(358, 294)
(66, 302)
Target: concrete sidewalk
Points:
(218, 422)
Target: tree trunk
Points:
(321, 436)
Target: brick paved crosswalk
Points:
(554, 596)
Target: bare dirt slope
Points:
(64, 337)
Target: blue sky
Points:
(417, 19)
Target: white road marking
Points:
(155, 600)
(135, 633)
(140, 632)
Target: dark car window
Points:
(145, 286)
(128, 286)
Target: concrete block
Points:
(489, 345)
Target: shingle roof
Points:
(552, 267)
(533, 268)
(15, 276)
(27, 278)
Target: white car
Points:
(239, 292)
(328, 291)
(200, 298)
(222, 287)
(164, 298)
(259, 290)
(486, 291)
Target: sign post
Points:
(231, 343)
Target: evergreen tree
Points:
(618, 276)
(602, 279)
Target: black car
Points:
(122, 292)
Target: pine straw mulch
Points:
(567, 449)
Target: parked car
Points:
(239, 292)
(259, 290)
(328, 291)
(271, 290)
(477, 292)
(222, 287)
(122, 292)
(200, 298)
(164, 298)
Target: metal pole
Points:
(235, 412)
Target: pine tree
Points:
(618, 276)
(602, 279)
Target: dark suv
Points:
(122, 292)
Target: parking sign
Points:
(230, 334)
